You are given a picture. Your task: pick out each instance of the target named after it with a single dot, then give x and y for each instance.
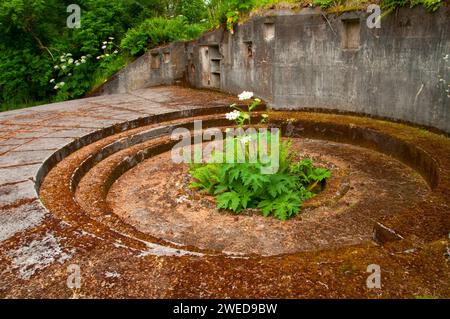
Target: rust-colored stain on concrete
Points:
(131, 223)
(155, 198)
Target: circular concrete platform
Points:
(155, 198)
(398, 179)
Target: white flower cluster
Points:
(82, 60)
(59, 85)
(67, 60)
(66, 64)
(106, 46)
(245, 96)
(233, 115)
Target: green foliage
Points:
(238, 186)
(228, 11)
(232, 19)
(34, 36)
(108, 68)
(307, 173)
(157, 31)
(18, 81)
(430, 5)
(324, 4)
(193, 10)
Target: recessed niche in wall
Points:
(214, 52)
(215, 80)
(351, 37)
(215, 60)
(248, 49)
(155, 60)
(210, 65)
(269, 31)
(166, 57)
(215, 66)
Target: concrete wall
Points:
(164, 65)
(306, 60)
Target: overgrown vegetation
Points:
(157, 31)
(247, 184)
(42, 60)
(34, 38)
(430, 5)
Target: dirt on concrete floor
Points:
(111, 267)
(155, 198)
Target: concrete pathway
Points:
(30, 136)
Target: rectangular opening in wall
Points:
(205, 66)
(210, 61)
(269, 31)
(351, 37)
(215, 59)
(215, 66)
(215, 80)
(155, 60)
(166, 57)
(214, 52)
(248, 49)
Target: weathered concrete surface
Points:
(164, 65)
(28, 137)
(309, 60)
(38, 248)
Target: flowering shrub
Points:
(241, 185)
(65, 68)
(109, 49)
(34, 36)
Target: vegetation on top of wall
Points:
(157, 31)
(345, 5)
(430, 5)
(237, 10)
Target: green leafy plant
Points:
(156, 31)
(238, 186)
(324, 4)
(232, 19)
